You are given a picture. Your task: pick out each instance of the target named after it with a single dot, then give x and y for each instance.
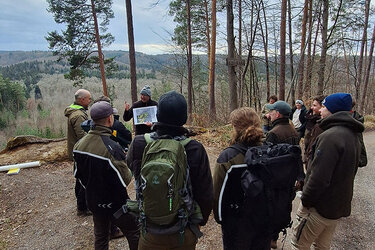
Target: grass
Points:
(369, 122)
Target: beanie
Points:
(172, 109)
(338, 102)
(146, 91)
(100, 110)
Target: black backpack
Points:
(267, 181)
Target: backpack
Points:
(164, 190)
(267, 182)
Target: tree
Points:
(282, 49)
(189, 62)
(78, 42)
(231, 57)
(212, 62)
(133, 70)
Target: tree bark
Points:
(212, 62)
(265, 45)
(231, 57)
(100, 54)
(367, 77)
(189, 63)
(291, 51)
(282, 50)
(301, 65)
(133, 71)
(323, 55)
(307, 89)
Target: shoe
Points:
(116, 234)
(273, 244)
(83, 213)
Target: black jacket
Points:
(99, 164)
(141, 128)
(200, 173)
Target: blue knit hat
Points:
(338, 102)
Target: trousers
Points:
(310, 228)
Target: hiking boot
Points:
(83, 213)
(116, 234)
(273, 244)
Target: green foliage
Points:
(78, 42)
(12, 95)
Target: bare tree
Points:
(364, 41)
(323, 55)
(133, 71)
(301, 65)
(212, 60)
(231, 57)
(282, 50)
(189, 62)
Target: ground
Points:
(37, 206)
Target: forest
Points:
(224, 54)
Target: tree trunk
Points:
(212, 62)
(231, 57)
(100, 54)
(265, 45)
(133, 71)
(241, 80)
(360, 63)
(282, 50)
(367, 77)
(291, 51)
(323, 55)
(301, 65)
(307, 89)
(189, 63)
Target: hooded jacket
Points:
(76, 114)
(332, 168)
(282, 132)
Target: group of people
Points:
(103, 168)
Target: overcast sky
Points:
(25, 23)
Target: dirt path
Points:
(37, 211)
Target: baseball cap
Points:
(280, 106)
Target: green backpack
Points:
(164, 188)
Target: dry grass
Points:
(369, 122)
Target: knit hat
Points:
(172, 109)
(299, 102)
(280, 106)
(146, 91)
(100, 110)
(338, 102)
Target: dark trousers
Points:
(127, 223)
(80, 195)
(240, 235)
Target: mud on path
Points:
(37, 209)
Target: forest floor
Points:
(37, 206)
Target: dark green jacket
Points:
(330, 177)
(76, 114)
(282, 132)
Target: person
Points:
(328, 191)
(360, 118)
(101, 169)
(267, 126)
(76, 114)
(312, 129)
(172, 115)
(283, 132)
(123, 135)
(237, 230)
(298, 118)
(145, 101)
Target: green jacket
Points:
(332, 168)
(76, 114)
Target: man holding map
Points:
(143, 112)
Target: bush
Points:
(39, 132)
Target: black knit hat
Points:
(172, 109)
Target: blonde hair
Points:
(246, 124)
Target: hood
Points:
(70, 109)
(342, 118)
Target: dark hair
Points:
(319, 98)
(273, 97)
(103, 98)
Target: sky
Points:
(25, 23)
